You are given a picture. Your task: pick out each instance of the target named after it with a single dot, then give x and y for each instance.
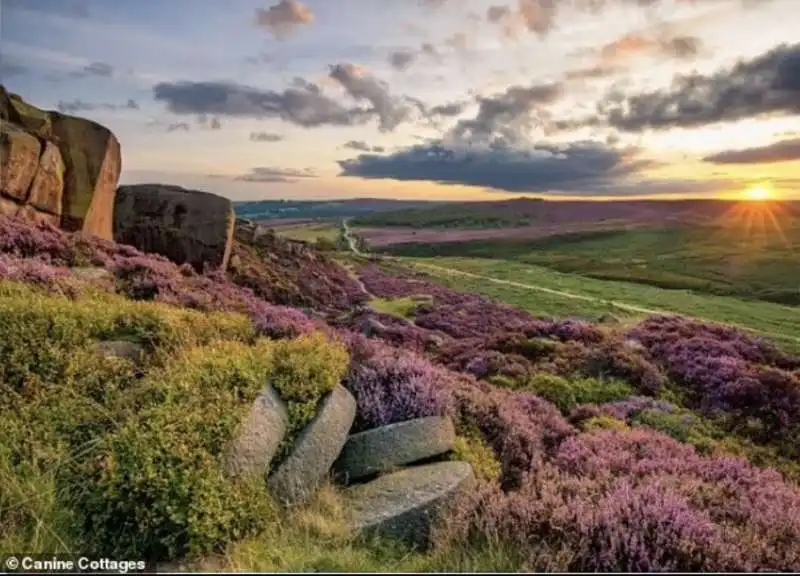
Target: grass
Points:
(311, 232)
(597, 297)
(400, 307)
(761, 263)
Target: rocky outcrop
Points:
(389, 447)
(186, 226)
(56, 167)
(315, 450)
(405, 505)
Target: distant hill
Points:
(312, 209)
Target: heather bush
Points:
(391, 386)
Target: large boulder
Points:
(183, 225)
(315, 450)
(93, 162)
(405, 505)
(400, 444)
(58, 168)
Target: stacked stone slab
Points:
(400, 494)
(57, 168)
(402, 503)
(186, 226)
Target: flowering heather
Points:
(393, 386)
(638, 501)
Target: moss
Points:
(30, 117)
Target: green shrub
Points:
(604, 423)
(473, 449)
(568, 394)
(305, 370)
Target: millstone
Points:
(405, 504)
(393, 446)
(315, 450)
(260, 436)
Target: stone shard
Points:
(405, 505)
(259, 437)
(92, 161)
(19, 161)
(182, 225)
(121, 349)
(393, 446)
(48, 185)
(315, 449)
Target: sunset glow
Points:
(759, 193)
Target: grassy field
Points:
(589, 298)
(310, 233)
(758, 264)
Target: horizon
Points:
(427, 100)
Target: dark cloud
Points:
(362, 146)
(766, 85)
(284, 18)
(265, 137)
(259, 59)
(364, 87)
(401, 59)
(508, 116)
(594, 72)
(80, 106)
(429, 49)
(578, 166)
(303, 104)
(178, 126)
(539, 16)
(783, 151)
(216, 124)
(268, 174)
(451, 109)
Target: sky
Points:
(425, 99)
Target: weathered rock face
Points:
(93, 163)
(259, 437)
(57, 168)
(183, 225)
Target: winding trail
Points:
(561, 293)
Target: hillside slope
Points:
(669, 445)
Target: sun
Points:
(759, 193)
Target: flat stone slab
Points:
(393, 446)
(315, 449)
(121, 349)
(260, 435)
(405, 504)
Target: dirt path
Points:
(571, 295)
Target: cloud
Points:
(783, 151)
(362, 146)
(303, 104)
(216, 124)
(100, 69)
(401, 59)
(80, 106)
(284, 18)
(636, 44)
(265, 137)
(69, 8)
(9, 69)
(178, 126)
(364, 87)
(451, 109)
(766, 85)
(508, 116)
(579, 166)
(268, 174)
(538, 16)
